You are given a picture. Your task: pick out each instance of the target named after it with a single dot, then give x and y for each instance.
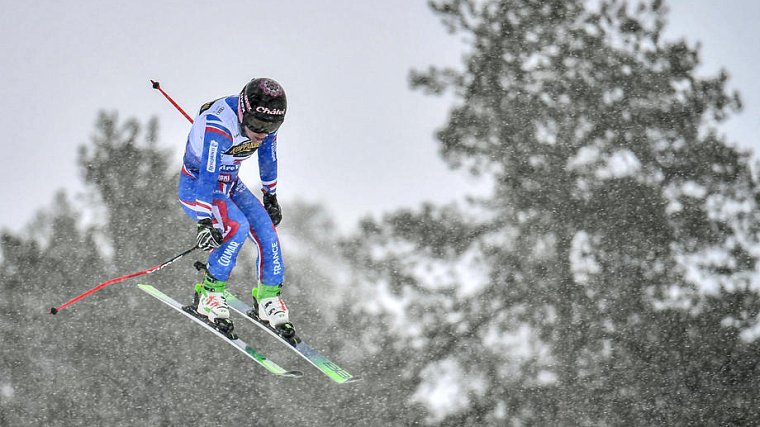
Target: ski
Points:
(236, 342)
(327, 367)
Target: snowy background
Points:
(358, 142)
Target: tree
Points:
(620, 231)
(61, 369)
(37, 270)
(132, 182)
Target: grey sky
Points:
(356, 138)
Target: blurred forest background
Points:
(609, 279)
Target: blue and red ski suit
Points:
(209, 187)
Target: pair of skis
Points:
(322, 363)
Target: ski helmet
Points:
(262, 105)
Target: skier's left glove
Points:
(208, 237)
(273, 208)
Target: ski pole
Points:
(157, 85)
(55, 310)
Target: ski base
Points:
(235, 342)
(327, 367)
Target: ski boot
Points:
(270, 308)
(209, 302)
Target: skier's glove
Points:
(273, 208)
(208, 237)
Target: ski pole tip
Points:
(155, 84)
(53, 310)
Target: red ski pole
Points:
(157, 85)
(55, 310)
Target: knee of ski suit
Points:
(228, 218)
(234, 226)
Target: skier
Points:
(226, 132)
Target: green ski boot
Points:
(270, 308)
(210, 303)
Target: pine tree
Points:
(132, 181)
(618, 241)
(39, 268)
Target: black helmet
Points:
(262, 105)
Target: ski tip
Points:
(353, 379)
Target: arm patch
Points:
(213, 147)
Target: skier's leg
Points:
(263, 233)
(226, 216)
(209, 299)
(268, 304)
(221, 261)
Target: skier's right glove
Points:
(208, 237)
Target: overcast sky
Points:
(356, 138)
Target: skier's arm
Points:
(268, 164)
(216, 140)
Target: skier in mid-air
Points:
(226, 132)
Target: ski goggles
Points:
(260, 126)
